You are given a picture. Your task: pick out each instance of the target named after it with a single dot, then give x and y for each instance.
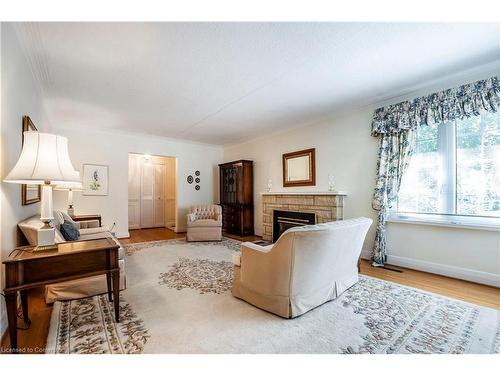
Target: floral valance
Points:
(457, 103)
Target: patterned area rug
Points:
(87, 326)
(179, 301)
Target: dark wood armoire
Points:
(236, 197)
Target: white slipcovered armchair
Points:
(305, 268)
(204, 223)
(89, 230)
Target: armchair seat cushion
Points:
(204, 223)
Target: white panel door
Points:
(134, 177)
(134, 191)
(170, 192)
(159, 195)
(147, 195)
(146, 192)
(134, 214)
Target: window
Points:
(455, 169)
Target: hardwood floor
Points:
(34, 339)
(479, 294)
(153, 234)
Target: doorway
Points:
(152, 195)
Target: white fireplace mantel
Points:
(343, 193)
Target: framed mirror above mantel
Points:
(299, 168)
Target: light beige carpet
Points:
(178, 300)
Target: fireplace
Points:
(327, 206)
(283, 220)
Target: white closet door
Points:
(134, 192)
(134, 215)
(159, 195)
(170, 192)
(147, 195)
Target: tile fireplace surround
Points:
(327, 206)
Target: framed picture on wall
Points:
(95, 179)
(29, 193)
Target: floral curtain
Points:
(396, 126)
(394, 155)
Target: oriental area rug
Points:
(178, 300)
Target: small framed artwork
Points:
(95, 179)
(29, 193)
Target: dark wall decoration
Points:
(191, 179)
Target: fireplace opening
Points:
(283, 220)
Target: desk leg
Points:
(116, 294)
(108, 281)
(24, 304)
(11, 302)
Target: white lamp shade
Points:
(44, 157)
(75, 186)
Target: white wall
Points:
(101, 147)
(469, 254)
(19, 96)
(345, 149)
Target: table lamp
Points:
(70, 187)
(45, 161)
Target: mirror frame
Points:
(28, 126)
(311, 181)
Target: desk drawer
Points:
(68, 265)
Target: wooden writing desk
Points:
(25, 269)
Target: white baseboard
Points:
(366, 254)
(446, 270)
(180, 229)
(123, 234)
(440, 269)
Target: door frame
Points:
(176, 161)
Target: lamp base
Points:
(46, 236)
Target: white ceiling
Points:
(225, 82)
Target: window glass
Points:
(420, 185)
(455, 169)
(478, 165)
